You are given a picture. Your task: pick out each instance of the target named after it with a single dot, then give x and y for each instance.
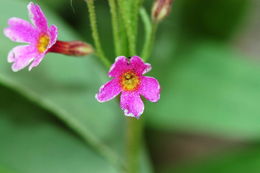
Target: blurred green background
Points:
(206, 58)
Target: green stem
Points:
(123, 37)
(124, 10)
(134, 126)
(150, 30)
(134, 143)
(115, 26)
(95, 35)
(136, 4)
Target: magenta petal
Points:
(131, 104)
(21, 56)
(36, 61)
(20, 30)
(37, 17)
(53, 32)
(139, 66)
(121, 64)
(108, 91)
(150, 88)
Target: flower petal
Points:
(20, 30)
(131, 104)
(36, 61)
(139, 66)
(121, 64)
(108, 91)
(37, 17)
(21, 56)
(53, 32)
(150, 88)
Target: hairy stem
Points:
(95, 35)
(115, 26)
(136, 4)
(134, 143)
(134, 126)
(125, 12)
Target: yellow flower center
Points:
(43, 43)
(129, 81)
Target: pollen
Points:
(43, 43)
(129, 81)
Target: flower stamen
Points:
(43, 43)
(129, 81)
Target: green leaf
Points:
(210, 89)
(33, 141)
(239, 161)
(4, 170)
(66, 86)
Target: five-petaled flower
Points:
(128, 80)
(39, 36)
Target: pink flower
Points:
(39, 36)
(128, 80)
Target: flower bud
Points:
(72, 48)
(161, 9)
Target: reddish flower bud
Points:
(161, 9)
(72, 48)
